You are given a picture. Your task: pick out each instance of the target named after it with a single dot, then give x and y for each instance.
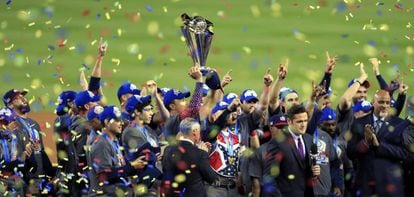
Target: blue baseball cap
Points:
(219, 106)
(11, 94)
(174, 94)
(278, 120)
(85, 97)
(364, 106)
(128, 88)
(110, 112)
(6, 114)
(95, 112)
(63, 99)
(285, 91)
(205, 90)
(327, 114)
(366, 83)
(133, 102)
(229, 97)
(164, 90)
(248, 95)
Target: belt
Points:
(227, 183)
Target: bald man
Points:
(376, 147)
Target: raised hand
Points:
(102, 48)
(267, 78)
(226, 79)
(139, 163)
(195, 73)
(363, 76)
(403, 88)
(151, 86)
(330, 63)
(375, 65)
(283, 69)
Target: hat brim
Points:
(183, 95)
(279, 124)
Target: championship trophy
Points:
(198, 34)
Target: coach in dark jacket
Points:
(185, 165)
(376, 149)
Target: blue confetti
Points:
(379, 12)
(341, 7)
(372, 43)
(395, 67)
(235, 56)
(254, 64)
(7, 78)
(62, 33)
(394, 48)
(98, 16)
(36, 106)
(51, 103)
(19, 50)
(148, 8)
(380, 3)
(244, 29)
(12, 55)
(56, 75)
(39, 61)
(149, 61)
(8, 2)
(80, 48)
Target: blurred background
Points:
(45, 43)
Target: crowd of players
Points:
(215, 143)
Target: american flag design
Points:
(221, 160)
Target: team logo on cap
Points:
(282, 118)
(365, 104)
(132, 87)
(117, 112)
(90, 94)
(176, 92)
(98, 109)
(250, 93)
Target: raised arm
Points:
(275, 89)
(346, 99)
(264, 97)
(330, 65)
(94, 83)
(375, 67)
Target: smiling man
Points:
(377, 150)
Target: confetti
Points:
(116, 61)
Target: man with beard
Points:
(29, 133)
(376, 147)
(110, 172)
(13, 166)
(329, 155)
(225, 153)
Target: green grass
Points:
(269, 38)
